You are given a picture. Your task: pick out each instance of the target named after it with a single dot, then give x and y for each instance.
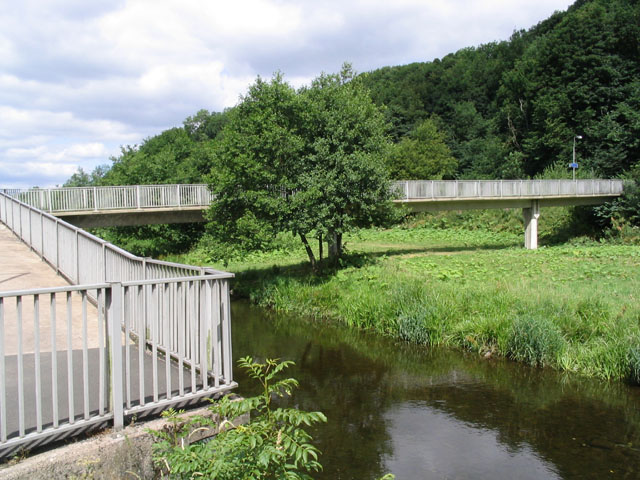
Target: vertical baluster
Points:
(36, 353)
(180, 320)
(154, 338)
(142, 328)
(167, 334)
(216, 341)
(54, 360)
(70, 379)
(3, 379)
(128, 311)
(101, 350)
(85, 355)
(20, 369)
(191, 304)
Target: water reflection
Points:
(454, 449)
(437, 414)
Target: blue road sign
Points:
(573, 165)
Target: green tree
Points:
(309, 162)
(83, 179)
(422, 155)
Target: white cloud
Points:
(81, 78)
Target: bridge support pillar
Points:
(531, 216)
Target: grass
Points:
(434, 281)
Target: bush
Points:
(273, 445)
(535, 341)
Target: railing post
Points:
(57, 265)
(41, 235)
(178, 194)
(114, 321)
(406, 190)
(77, 263)
(138, 197)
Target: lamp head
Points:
(579, 137)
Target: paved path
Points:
(22, 269)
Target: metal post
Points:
(114, 321)
(138, 197)
(57, 249)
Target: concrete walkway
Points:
(22, 269)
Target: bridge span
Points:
(90, 207)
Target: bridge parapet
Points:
(490, 189)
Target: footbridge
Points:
(91, 335)
(89, 207)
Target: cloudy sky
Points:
(80, 78)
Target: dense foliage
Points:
(422, 154)
(310, 162)
(512, 108)
(271, 445)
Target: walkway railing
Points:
(119, 197)
(179, 196)
(479, 189)
(150, 334)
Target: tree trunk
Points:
(335, 247)
(312, 257)
(320, 247)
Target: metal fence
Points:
(472, 189)
(134, 335)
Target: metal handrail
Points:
(139, 197)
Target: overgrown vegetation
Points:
(437, 281)
(271, 445)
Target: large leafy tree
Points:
(308, 161)
(423, 154)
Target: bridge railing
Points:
(178, 313)
(470, 189)
(198, 195)
(118, 197)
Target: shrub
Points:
(273, 445)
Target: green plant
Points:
(535, 341)
(633, 358)
(272, 445)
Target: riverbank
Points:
(571, 307)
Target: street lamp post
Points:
(574, 165)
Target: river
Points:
(424, 413)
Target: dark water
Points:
(420, 413)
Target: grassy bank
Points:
(572, 307)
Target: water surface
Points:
(437, 414)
